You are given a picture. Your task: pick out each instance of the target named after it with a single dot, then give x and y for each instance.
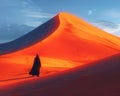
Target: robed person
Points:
(36, 66)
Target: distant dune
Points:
(66, 37)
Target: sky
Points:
(104, 14)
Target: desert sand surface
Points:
(100, 78)
(77, 59)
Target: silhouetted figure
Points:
(36, 66)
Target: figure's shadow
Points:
(5, 80)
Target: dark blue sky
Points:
(104, 14)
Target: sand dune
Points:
(67, 37)
(100, 78)
(64, 42)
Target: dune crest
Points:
(65, 36)
(63, 42)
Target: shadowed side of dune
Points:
(100, 78)
(32, 37)
(72, 39)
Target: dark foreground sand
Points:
(101, 78)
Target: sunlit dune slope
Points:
(65, 41)
(100, 78)
(65, 37)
